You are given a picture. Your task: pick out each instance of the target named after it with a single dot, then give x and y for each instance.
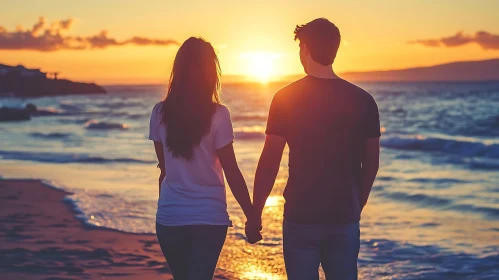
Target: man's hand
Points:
(252, 231)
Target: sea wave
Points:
(249, 133)
(120, 104)
(249, 117)
(441, 203)
(405, 260)
(115, 212)
(48, 111)
(65, 158)
(484, 164)
(53, 135)
(128, 115)
(69, 106)
(487, 211)
(73, 120)
(98, 125)
(465, 147)
(421, 199)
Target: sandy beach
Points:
(41, 239)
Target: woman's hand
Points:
(252, 230)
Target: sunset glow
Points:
(260, 66)
(134, 43)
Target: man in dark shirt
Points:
(332, 129)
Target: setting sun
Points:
(260, 66)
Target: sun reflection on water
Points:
(274, 200)
(255, 273)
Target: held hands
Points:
(253, 228)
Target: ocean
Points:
(433, 212)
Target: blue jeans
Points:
(191, 251)
(306, 247)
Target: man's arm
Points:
(158, 147)
(370, 166)
(266, 172)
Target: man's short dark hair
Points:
(321, 37)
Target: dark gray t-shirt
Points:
(325, 123)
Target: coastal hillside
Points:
(24, 82)
(485, 70)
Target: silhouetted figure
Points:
(193, 135)
(332, 129)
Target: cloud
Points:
(101, 41)
(428, 43)
(51, 37)
(142, 41)
(38, 26)
(487, 41)
(65, 24)
(484, 39)
(457, 40)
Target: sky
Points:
(135, 42)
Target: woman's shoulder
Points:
(222, 109)
(222, 113)
(156, 112)
(157, 108)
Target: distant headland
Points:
(476, 71)
(20, 81)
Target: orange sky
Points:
(248, 35)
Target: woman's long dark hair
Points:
(192, 98)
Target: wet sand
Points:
(40, 238)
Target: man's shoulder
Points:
(300, 86)
(355, 89)
(291, 88)
(296, 84)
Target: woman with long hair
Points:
(193, 136)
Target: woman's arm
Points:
(239, 189)
(235, 179)
(158, 147)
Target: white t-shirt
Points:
(193, 191)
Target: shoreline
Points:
(41, 238)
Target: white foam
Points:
(463, 146)
(94, 124)
(112, 211)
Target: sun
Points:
(260, 65)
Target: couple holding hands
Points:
(332, 129)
